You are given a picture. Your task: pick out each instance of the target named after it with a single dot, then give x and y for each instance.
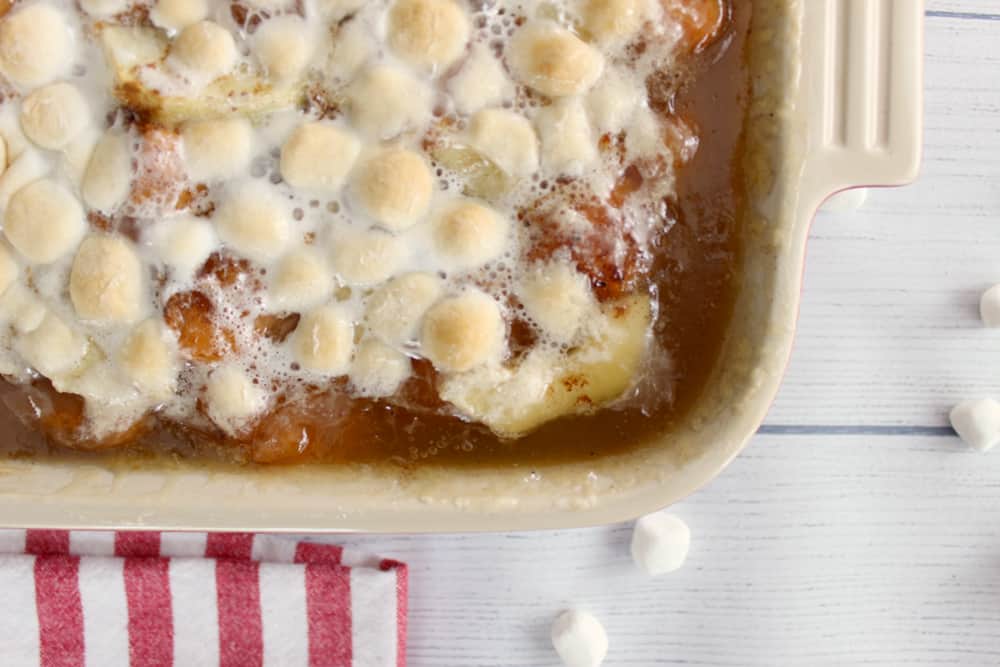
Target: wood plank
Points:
(807, 551)
(889, 331)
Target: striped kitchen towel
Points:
(190, 599)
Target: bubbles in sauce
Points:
(653, 212)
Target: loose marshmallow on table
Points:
(977, 422)
(660, 543)
(989, 307)
(579, 639)
(845, 201)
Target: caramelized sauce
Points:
(693, 272)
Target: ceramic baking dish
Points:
(837, 102)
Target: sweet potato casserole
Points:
(349, 230)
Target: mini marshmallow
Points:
(36, 45)
(613, 20)
(178, 14)
(660, 543)
(428, 33)
(205, 48)
(283, 46)
(579, 639)
(552, 60)
(462, 332)
(989, 307)
(845, 201)
(977, 422)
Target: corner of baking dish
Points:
(785, 183)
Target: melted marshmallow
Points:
(352, 170)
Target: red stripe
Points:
(60, 612)
(150, 620)
(328, 602)
(402, 594)
(241, 639)
(310, 552)
(229, 545)
(46, 542)
(137, 544)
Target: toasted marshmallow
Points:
(254, 222)
(184, 243)
(283, 45)
(554, 61)
(302, 279)
(26, 168)
(108, 176)
(660, 543)
(386, 101)
(557, 298)
(52, 116)
(232, 400)
(394, 310)
(323, 341)
(429, 33)
(568, 142)
(52, 347)
(377, 369)
(44, 200)
(178, 14)
(613, 20)
(394, 187)
(36, 45)
(367, 258)
(217, 149)
(507, 139)
(469, 234)
(463, 332)
(149, 359)
(205, 49)
(107, 281)
(318, 156)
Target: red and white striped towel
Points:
(190, 599)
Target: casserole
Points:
(836, 102)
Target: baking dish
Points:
(836, 103)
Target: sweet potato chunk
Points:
(192, 317)
(62, 419)
(701, 21)
(604, 250)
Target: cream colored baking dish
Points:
(837, 103)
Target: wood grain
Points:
(856, 530)
(889, 330)
(807, 551)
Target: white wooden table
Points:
(855, 529)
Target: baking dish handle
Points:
(862, 86)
